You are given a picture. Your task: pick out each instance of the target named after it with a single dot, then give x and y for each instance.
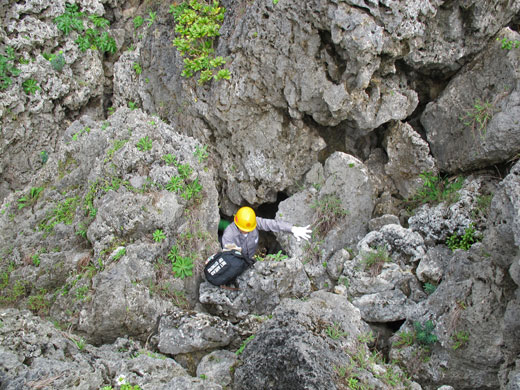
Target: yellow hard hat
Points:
(245, 219)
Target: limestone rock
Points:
(35, 353)
(473, 124)
(182, 332)
(260, 289)
(216, 367)
(408, 157)
(317, 336)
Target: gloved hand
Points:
(301, 232)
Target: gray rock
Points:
(37, 354)
(189, 383)
(432, 266)
(463, 136)
(503, 228)
(305, 345)
(182, 332)
(409, 156)
(216, 367)
(379, 222)
(260, 289)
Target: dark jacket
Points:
(249, 242)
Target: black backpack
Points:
(224, 267)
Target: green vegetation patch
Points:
(7, 68)
(435, 189)
(197, 24)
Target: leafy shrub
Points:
(7, 68)
(90, 38)
(197, 24)
(429, 288)
(508, 44)
(144, 144)
(335, 332)
(424, 333)
(138, 21)
(464, 241)
(182, 266)
(435, 190)
(243, 345)
(64, 212)
(30, 86)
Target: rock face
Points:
(115, 171)
(474, 123)
(113, 190)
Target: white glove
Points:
(301, 232)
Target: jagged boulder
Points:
(33, 120)
(85, 236)
(379, 279)
(217, 367)
(260, 289)
(468, 310)
(34, 353)
(474, 123)
(467, 207)
(184, 332)
(338, 212)
(408, 157)
(307, 344)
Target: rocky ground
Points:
(392, 128)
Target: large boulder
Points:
(338, 212)
(474, 123)
(34, 353)
(260, 289)
(307, 344)
(471, 312)
(32, 122)
(96, 225)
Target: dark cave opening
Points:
(267, 244)
(383, 331)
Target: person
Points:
(243, 234)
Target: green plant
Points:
(64, 212)
(404, 338)
(71, 20)
(508, 44)
(435, 190)
(120, 253)
(424, 333)
(170, 159)
(197, 24)
(36, 259)
(182, 266)
(31, 198)
(478, 116)
(201, 153)
(429, 288)
(335, 332)
(275, 2)
(30, 86)
(175, 184)
(138, 21)
(144, 144)
(7, 68)
(158, 235)
(38, 304)
(44, 156)
(137, 68)
(374, 261)
(90, 38)
(278, 256)
(464, 241)
(243, 345)
(132, 105)
(329, 212)
(192, 190)
(58, 62)
(80, 343)
(151, 18)
(459, 339)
